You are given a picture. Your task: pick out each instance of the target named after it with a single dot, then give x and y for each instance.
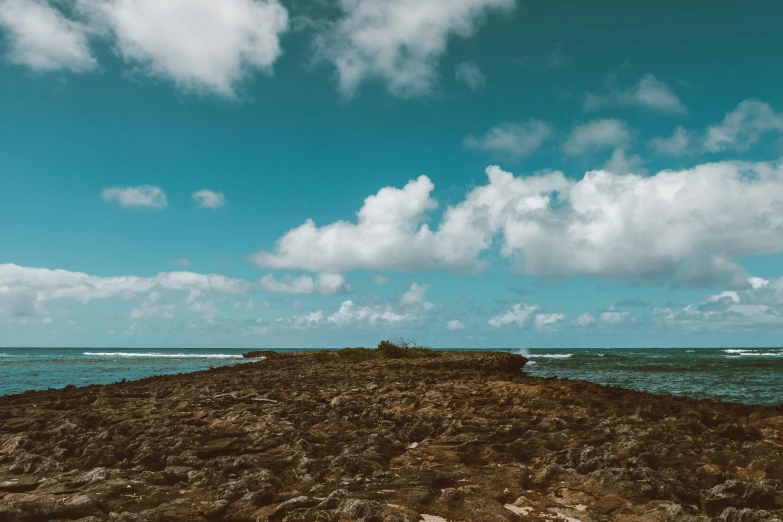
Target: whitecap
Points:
(755, 353)
(165, 355)
(551, 355)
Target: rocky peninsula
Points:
(319, 438)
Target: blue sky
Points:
(472, 173)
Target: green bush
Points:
(396, 348)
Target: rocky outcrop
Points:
(459, 437)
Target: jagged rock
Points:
(739, 494)
(462, 436)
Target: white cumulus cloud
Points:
(612, 316)
(304, 284)
(50, 285)
(398, 41)
(584, 320)
(743, 127)
(760, 304)
(518, 315)
(42, 38)
(454, 325)
(548, 321)
(141, 197)
(691, 224)
(678, 144)
(206, 198)
(352, 314)
(388, 234)
(513, 140)
(649, 92)
(622, 163)
(597, 135)
(415, 295)
(200, 45)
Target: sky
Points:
(464, 173)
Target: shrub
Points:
(402, 348)
(395, 348)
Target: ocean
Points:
(751, 376)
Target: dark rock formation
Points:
(459, 437)
(258, 354)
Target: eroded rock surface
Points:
(461, 437)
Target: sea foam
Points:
(756, 353)
(165, 355)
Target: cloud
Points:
(584, 320)
(323, 284)
(518, 315)
(199, 45)
(649, 92)
(206, 198)
(678, 144)
(597, 135)
(469, 74)
(689, 224)
(387, 235)
(141, 197)
(743, 127)
(760, 304)
(20, 302)
(351, 314)
(379, 279)
(43, 39)
(301, 322)
(398, 41)
(181, 261)
(248, 305)
(612, 316)
(512, 140)
(54, 285)
(153, 307)
(622, 164)
(415, 297)
(454, 325)
(547, 321)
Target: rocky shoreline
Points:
(459, 437)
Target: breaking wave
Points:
(165, 355)
(757, 353)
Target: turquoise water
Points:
(753, 376)
(41, 368)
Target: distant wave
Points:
(5, 355)
(550, 355)
(165, 355)
(757, 353)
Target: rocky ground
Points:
(461, 437)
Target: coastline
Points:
(464, 436)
